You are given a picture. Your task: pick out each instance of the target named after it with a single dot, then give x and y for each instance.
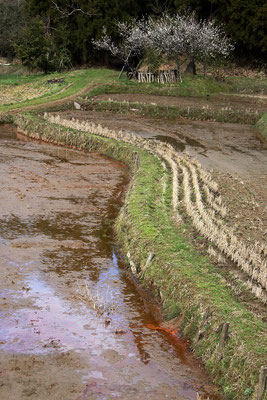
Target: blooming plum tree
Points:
(177, 37)
(212, 43)
(168, 36)
(181, 36)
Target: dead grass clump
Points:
(102, 305)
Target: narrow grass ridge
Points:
(204, 113)
(189, 285)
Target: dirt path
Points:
(53, 103)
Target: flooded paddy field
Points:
(228, 147)
(73, 326)
(232, 153)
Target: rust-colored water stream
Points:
(73, 327)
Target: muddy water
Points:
(73, 326)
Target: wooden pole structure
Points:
(125, 63)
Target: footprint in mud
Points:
(112, 356)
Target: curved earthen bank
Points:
(228, 337)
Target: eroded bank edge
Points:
(188, 285)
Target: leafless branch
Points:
(71, 11)
(159, 8)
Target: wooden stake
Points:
(136, 159)
(150, 258)
(223, 337)
(205, 318)
(262, 383)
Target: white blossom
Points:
(181, 36)
(176, 37)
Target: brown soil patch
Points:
(246, 205)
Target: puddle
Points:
(179, 146)
(180, 143)
(72, 324)
(7, 132)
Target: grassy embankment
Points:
(204, 88)
(190, 286)
(19, 90)
(173, 112)
(191, 86)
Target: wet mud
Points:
(73, 326)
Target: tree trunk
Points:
(121, 71)
(204, 68)
(191, 67)
(179, 75)
(125, 63)
(84, 56)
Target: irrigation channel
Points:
(73, 325)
